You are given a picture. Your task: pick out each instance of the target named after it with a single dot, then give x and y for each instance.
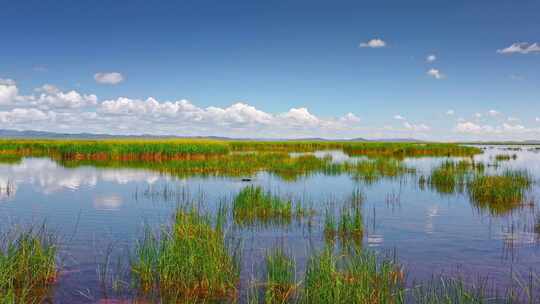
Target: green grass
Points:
(402, 150)
(191, 262)
(505, 157)
(28, 266)
(280, 284)
(254, 205)
(349, 225)
(355, 278)
(372, 170)
(452, 176)
(500, 193)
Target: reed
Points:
(402, 150)
(452, 176)
(280, 285)
(252, 204)
(28, 267)
(372, 170)
(190, 262)
(348, 226)
(356, 278)
(505, 157)
(500, 193)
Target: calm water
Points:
(94, 209)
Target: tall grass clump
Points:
(500, 193)
(356, 278)
(280, 284)
(190, 262)
(372, 170)
(402, 150)
(452, 176)
(252, 204)
(28, 266)
(349, 225)
(505, 157)
(450, 290)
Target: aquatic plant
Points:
(499, 193)
(505, 157)
(189, 262)
(348, 226)
(28, 266)
(372, 170)
(402, 150)
(452, 176)
(280, 281)
(355, 278)
(253, 204)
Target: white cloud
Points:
(399, 117)
(431, 58)
(521, 48)
(493, 113)
(109, 78)
(8, 91)
(450, 112)
(435, 73)
(24, 115)
(513, 119)
(52, 97)
(537, 119)
(416, 127)
(373, 43)
(349, 118)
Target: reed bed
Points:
(188, 263)
(28, 266)
(452, 176)
(500, 193)
(253, 205)
(402, 150)
(372, 170)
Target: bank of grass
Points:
(500, 193)
(157, 149)
(452, 176)
(28, 265)
(190, 262)
(254, 205)
(402, 150)
(7, 158)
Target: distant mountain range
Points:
(31, 134)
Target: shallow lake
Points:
(100, 210)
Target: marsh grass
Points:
(372, 170)
(500, 193)
(28, 265)
(190, 262)
(452, 176)
(280, 284)
(254, 205)
(452, 290)
(402, 150)
(505, 157)
(348, 227)
(356, 278)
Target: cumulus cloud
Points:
(486, 129)
(450, 112)
(52, 97)
(8, 91)
(431, 58)
(399, 117)
(521, 48)
(109, 78)
(24, 115)
(435, 73)
(373, 43)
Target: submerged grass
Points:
(252, 204)
(28, 267)
(348, 227)
(189, 263)
(500, 193)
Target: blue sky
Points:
(273, 68)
